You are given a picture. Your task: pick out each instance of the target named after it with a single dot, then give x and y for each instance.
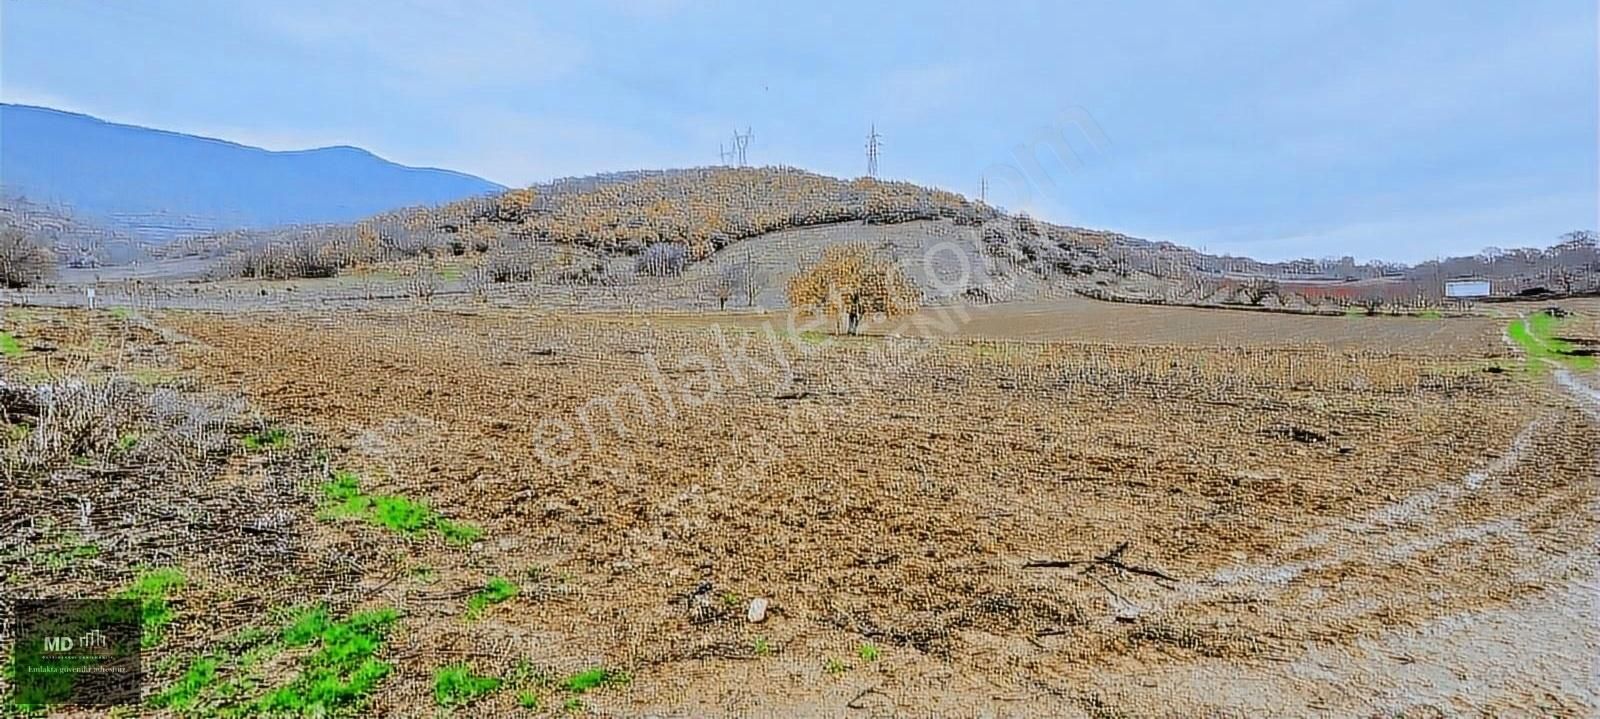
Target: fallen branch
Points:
(1111, 559)
(856, 702)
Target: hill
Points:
(713, 223)
(159, 185)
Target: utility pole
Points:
(983, 189)
(873, 144)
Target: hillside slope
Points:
(162, 184)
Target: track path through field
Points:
(1536, 657)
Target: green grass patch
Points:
(868, 652)
(153, 589)
(270, 438)
(460, 534)
(400, 514)
(594, 678)
(1430, 315)
(334, 680)
(17, 432)
(340, 676)
(1539, 339)
(121, 313)
(187, 692)
(9, 346)
(68, 552)
(456, 685)
(306, 625)
(498, 590)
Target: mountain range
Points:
(159, 185)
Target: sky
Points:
(1400, 131)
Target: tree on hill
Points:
(850, 282)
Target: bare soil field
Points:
(1078, 319)
(955, 527)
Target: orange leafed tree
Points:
(851, 282)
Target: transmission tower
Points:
(873, 144)
(725, 154)
(741, 143)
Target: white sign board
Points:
(89, 293)
(1466, 288)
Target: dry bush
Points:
(507, 264)
(852, 281)
(590, 272)
(422, 284)
(319, 252)
(108, 424)
(24, 259)
(662, 259)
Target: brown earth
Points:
(1286, 517)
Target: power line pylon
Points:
(873, 143)
(741, 145)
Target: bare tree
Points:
(726, 284)
(423, 284)
(752, 283)
(1258, 290)
(24, 260)
(662, 259)
(478, 281)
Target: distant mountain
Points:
(160, 185)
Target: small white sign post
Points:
(89, 292)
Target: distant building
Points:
(1466, 288)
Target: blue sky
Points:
(1377, 129)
